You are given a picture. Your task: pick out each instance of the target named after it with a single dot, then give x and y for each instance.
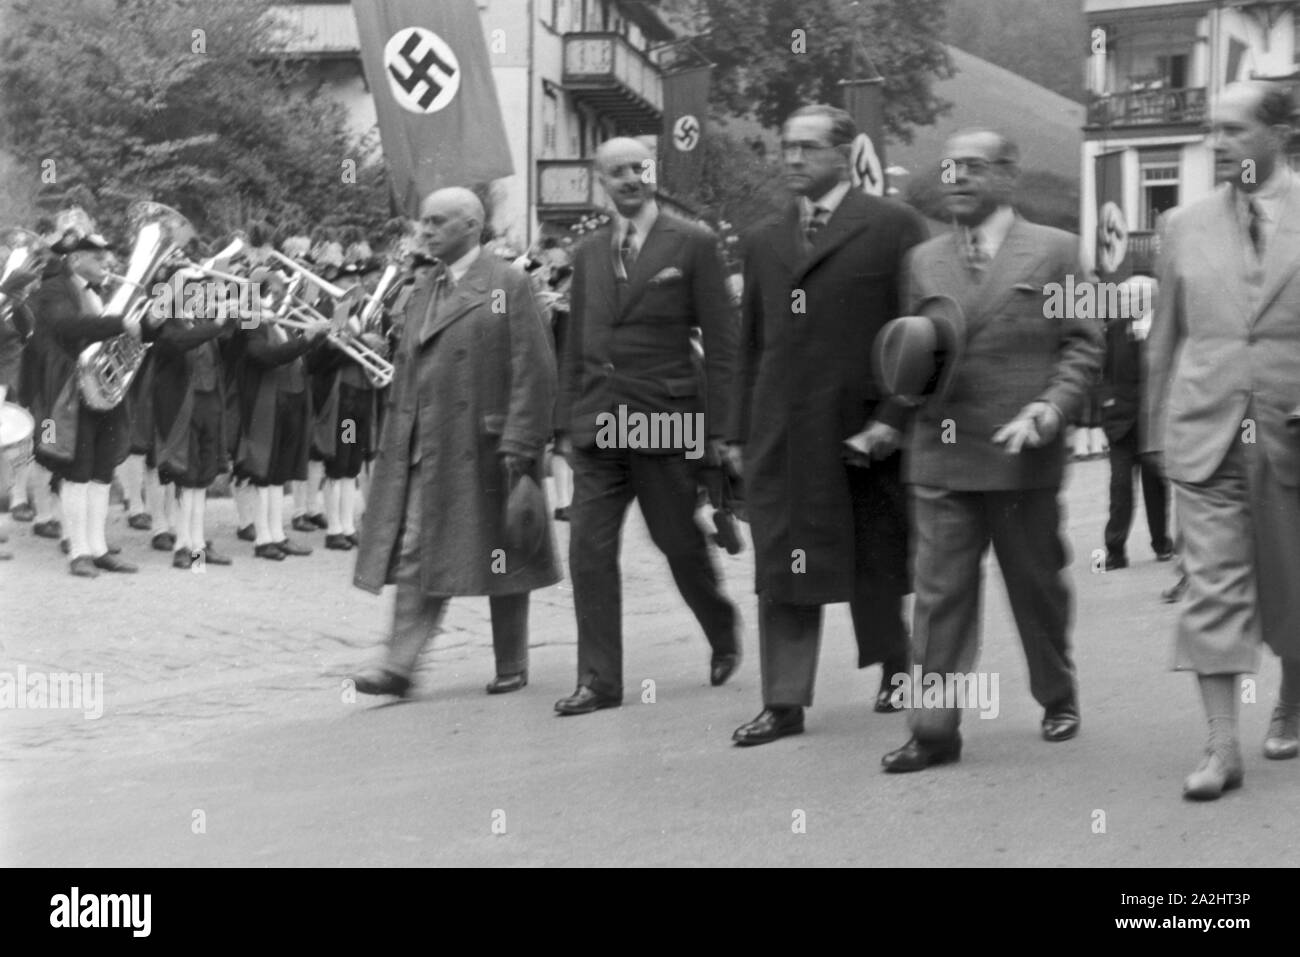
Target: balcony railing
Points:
(567, 191)
(616, 79)
(1147, 107)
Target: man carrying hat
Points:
(85, 445)
(985, 461)
(472, 397)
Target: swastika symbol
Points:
(423, 72)
(686, 133)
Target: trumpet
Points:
(296, 268)
(300, 316)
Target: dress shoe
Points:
(164, 542)
(292, 548)
(65, 546)
(271, 551)
(1283, 738)
(382, 681)
(1175, 592)
(1116, 562)
(303, 523)
(109, 562)
(213, 557)
(1061, 720)
(182, 559)
(1165, 552)
(918, 755)
(319, 521)
(723, 667)
(83, 566)
(1218, 772)
(585, 701)
(51, 529)
(885, 697)
(338, 543)
(247, 534)
(504, 684)
(354, 539)
(771, 723)
(22, 513)
(141, 522)
(562, 514)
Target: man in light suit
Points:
(640, 286)
(985, 462)
(1223, 372)
(821, 279)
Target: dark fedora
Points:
(917, 356)
(526, 515)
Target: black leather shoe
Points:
(380, 681)
(271, 551)
(65, 546)
(111, 563)
(723, 667)
(771, 723)
(1175, 592)
(354, 539)
(213, 557)
(1165, 552)
(303, 523)
(319, 520)
(247, 534)
(918, 755)
(141, 523)
(885, 697)
(585, 701)
(562, 514)
(51, 529)
(84, 567)
(338, 543)
(182, 559)
(504, 684)
(164, 542)
(22, 513)
(1061, 720)
(292, 548)
(1116, 562)
(1283, 738)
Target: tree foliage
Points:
(1042, 40)
(181, 102)
(772, 56)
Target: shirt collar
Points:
(829, 201)
(461, 265)
(644, 221)
(993, 231)
(1270, 192)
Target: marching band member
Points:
(275, 410)
(326, 258)
(86, 445)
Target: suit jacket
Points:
(1014, 355)
(477, 381)
(256, 387)
(171, 391)
(1121, 380)
(1217, 353)
(630, 343)
(808, 322)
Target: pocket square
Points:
(1025, 287)
(669, 274)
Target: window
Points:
(550, 113)
(1158, 182)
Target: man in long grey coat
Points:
(470, 409)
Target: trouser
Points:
(953, 530)
(1155, 496)
(604, 484)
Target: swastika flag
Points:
(428, 70)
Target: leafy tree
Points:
(1042, 40)
(182, 102)
(765, 65)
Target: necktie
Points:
(441, 290)
(815, 223)
(1256, 228)
(977, 257)
(627, 251)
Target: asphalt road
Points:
(227, 738)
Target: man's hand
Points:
(877, 441)
(733, 457)
(1035, 426)
(316, 328)
(515, 463)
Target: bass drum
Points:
(16, 429)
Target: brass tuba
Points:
(105, 369)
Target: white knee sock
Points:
(245, 504)
(74, 499)
(275, 513)
(333, 490)
(299, 499)
(97, 519)
(18, 494)
(198, 510)
(183, 512)
(155, 498)
(315, 485)
(46, 502)
(262, 515)
(131, 475)
(348, 506)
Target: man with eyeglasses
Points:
(821, 278)
(985, 461)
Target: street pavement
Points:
(228, 736)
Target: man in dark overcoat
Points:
(821, 278)
(470, 412)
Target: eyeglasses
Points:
(976, 166)
(790, 150)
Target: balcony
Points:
(1148, 108)
(615, 79)
(568, 191)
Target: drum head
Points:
(16, 424)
